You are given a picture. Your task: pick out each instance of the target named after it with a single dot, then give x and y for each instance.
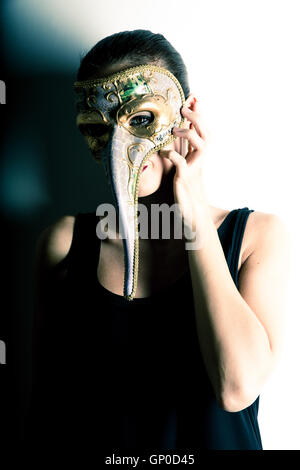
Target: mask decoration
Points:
(125, 118)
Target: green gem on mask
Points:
(134, 87)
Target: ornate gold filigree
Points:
(138, 147)
(132, 170)
(125, 74)
(160, 109)
(115, 92)
(91, 99)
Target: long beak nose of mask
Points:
(124, 159)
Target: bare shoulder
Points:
(54, 242)
(265, 232)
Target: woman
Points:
(182, 364)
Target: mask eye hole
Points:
(94, 130)
(142, 119)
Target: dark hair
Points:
(133, 48)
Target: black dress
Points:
(116, 374)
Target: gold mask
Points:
(108, 116)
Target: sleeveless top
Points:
(129, 374)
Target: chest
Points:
(159, 266)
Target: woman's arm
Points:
(54, 243)
(52, 247)
(240, 331)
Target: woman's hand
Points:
(187, 185)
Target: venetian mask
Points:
(125, 118)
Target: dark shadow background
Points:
(46, 172)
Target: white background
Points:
(243, 61)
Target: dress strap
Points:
(236, 241)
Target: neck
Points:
(158, 220)
(164, 194)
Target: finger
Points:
(178, 160)
(195, 158)
(203, 127)
(194, 140)
(195, 118)
(196, 149)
